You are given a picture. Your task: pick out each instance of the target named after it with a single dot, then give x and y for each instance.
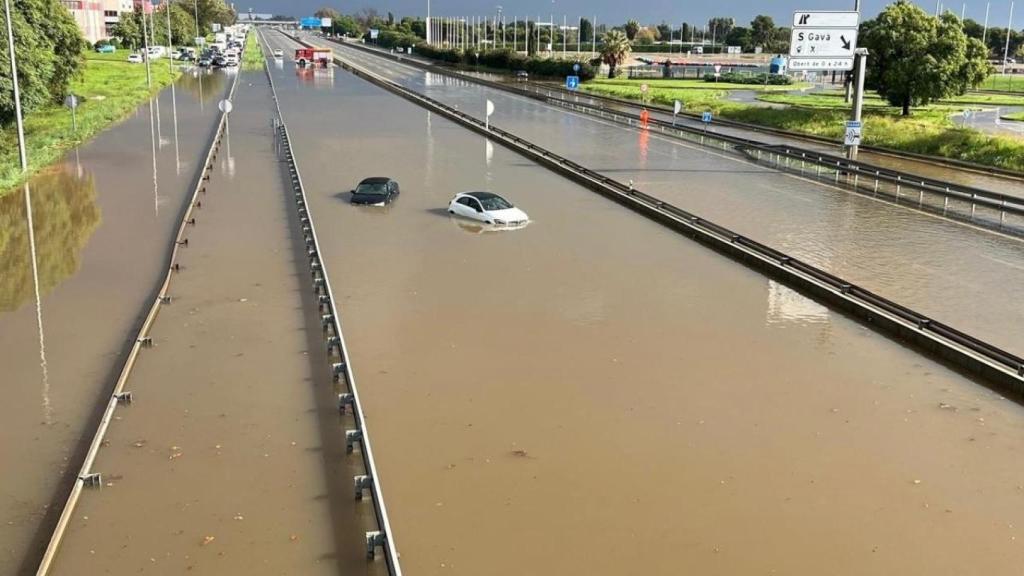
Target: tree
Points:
(780, 40)
(586, 29)
(665, 31)
(632, 27)
(740, 36)
(646, 36)
(973, 30)
(182, 26)
(721, 26)
(48, 46)
(327, 12)
(128, 29)
(615, 49)
(347, 26)
(685, 32)
(916, 58)
(762, 30)
(209, 12)
(391, 19)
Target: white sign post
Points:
(823, 40)
(852, 135)
(487, 116)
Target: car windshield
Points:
(495, 203)
(373, 189)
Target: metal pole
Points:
(515, 31)
(17, 93)
(428, 22)
(1009, 32)
(593, 45)
(196, 7)
(579, 30)
(145, 46)
(860, 61)
(564, 32)
(984, 31)
(170, 42)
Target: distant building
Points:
(88, 14)
(97, 18)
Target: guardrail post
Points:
(373, 540)
(362, 482)
(351, 437)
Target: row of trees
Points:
(995, 38)
(721, 30)
(48, 46)
(128, 31)
(916, 58)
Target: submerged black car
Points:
(376, 191)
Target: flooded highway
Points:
(979, 179)
(101, 225)
(934, 265)
(598, 394)
(231, 459)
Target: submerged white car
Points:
(488, 208)
(278, 53)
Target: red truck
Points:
(313, 56)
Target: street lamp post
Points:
(17, 94)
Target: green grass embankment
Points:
(929, 130)
(252, 56)
(109, 89)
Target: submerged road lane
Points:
(232, 458)
(597, 394)
(103, 221)
(977, 179)
(961, 275)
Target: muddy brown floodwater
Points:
(102, 220)
(596, 394)
(231, 459)
(934, 265)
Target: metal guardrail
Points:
(86, 475)
(1003, 369)
(840, 170)
(384, 536)
(548, 90)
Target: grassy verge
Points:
(252, 56)
(1007, 83)
(693, 84)
(1018, 116)
(109, 89)
(928, 131)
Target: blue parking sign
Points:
(572, 82)
(706, 118)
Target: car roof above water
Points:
(375, 180)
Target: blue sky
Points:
(651, 11)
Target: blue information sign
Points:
(576, 67)
(572, 82)
(706, 118)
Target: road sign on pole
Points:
(823, 40)
(72, 102)
(572, 82)
(852, 135)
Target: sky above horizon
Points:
(650, 12)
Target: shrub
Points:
(734, 78)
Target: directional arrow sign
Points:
(823, 42)
(810, 19)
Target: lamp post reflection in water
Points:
(47, 406)
(152, 139)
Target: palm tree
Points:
(615, 50)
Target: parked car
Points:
(205, 62)
(278, 53)
(106, 49)
(231, 60)
(488, 208)
(219, 62)
(522, 75)
(376, 191)
(135, 59)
